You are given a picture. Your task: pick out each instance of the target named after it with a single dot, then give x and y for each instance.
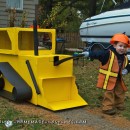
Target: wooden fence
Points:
(72, 40)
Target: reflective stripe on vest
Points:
(126, 61)
(108, 72)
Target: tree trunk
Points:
(92, 7)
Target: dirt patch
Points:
(82, 118)
(117, 119)
(48, 116)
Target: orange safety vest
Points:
(108, 73)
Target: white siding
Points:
(28, 6)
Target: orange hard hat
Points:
(120, 37)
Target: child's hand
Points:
(124, 71)
(86, 53)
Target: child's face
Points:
(120, 47)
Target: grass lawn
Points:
(86, 78)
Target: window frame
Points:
(14, 7)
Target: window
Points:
(17, 4)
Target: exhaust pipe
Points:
(35, 38)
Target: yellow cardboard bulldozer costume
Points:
(33, 73)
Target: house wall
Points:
(28, 6)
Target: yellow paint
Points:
(56, 83)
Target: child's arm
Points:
(102, 55)
(126, 70)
